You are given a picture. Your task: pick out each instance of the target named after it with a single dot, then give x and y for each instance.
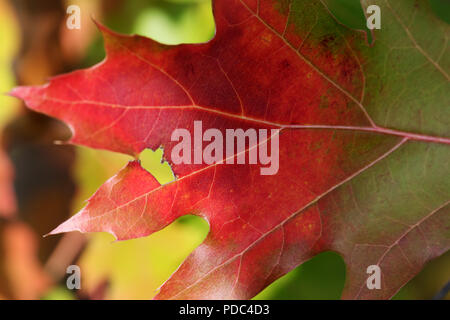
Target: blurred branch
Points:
(43, 180)
(65, 253)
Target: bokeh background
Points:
(42, 182)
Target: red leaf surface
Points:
(375, 194)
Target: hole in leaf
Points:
(200, 225)
(153, 163)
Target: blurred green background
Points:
(135, 269)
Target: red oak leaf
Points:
(363, 149)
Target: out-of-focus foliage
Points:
(9, 40)
(442, 9)
(8, 106)
(319, 278)
(167, 21)
(177, 21)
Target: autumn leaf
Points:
(363, 143)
